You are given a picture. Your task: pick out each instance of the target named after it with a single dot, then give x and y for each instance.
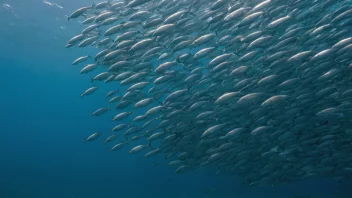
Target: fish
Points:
(89, 91)
(88, 68)
(88, 41)
(75, 39)
(138, 148)
(259, 90)
(119, 127)
(110, 138)
(121, 116)
(111, 93)
(117, 146)
(80, 60)
(144, 103)
(103, 4)
(115, 99)
(79, 12)
(93, 137)
(102, 76)
(100, 111)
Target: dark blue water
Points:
(44, 122)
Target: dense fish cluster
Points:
(257, 89)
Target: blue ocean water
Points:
(44, 121)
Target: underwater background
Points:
(43, 120)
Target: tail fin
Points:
(126, 138)
(191, 13)
(157, 100)
(150, 145)
(190, 10)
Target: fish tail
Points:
(273, 33)
(193, 3)
(217, 44)
(157, 100)
(190, 10)
(150, 145)
(191, 13)
(126, 138)
(189, 90)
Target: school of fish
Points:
(256, 89)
